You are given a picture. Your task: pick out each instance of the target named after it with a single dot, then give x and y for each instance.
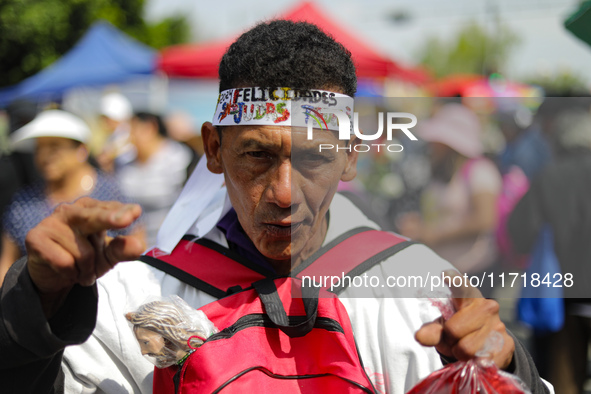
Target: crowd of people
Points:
(51, 163)
(485, 211)
(278, 207)
(61, 156)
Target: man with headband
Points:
(270, 196)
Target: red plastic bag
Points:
(479, 375)
(476, 376)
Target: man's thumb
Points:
(124, 248)
(430, 333)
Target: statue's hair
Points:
(166, 319)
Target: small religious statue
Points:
(168, 331)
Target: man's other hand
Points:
(466, 331)
(71, 247)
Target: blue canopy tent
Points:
(104, 55)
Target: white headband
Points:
(281, 106)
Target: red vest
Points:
(275, 335)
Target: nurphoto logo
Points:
(345, 131)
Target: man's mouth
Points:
(279, 229)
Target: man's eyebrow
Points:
(304, 149)
(307, 150)
(256, 143)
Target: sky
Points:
(546, 47)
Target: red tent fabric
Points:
(473, 85)
(452, 85)
(202, 60)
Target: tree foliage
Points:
(561, 83)
(472, 51)
(35, 33)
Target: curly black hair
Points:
(290, 54)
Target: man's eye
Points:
(258, 154)
(312, 157)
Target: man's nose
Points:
(282, 191)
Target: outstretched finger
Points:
(90, 216)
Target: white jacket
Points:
(384, 324)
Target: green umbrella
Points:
(579, 23)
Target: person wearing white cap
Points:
(59, 140)
(116, 113)
(458, 207)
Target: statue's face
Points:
(153, 347)
(151, 343)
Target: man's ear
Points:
(212, 147)
(350, 170)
